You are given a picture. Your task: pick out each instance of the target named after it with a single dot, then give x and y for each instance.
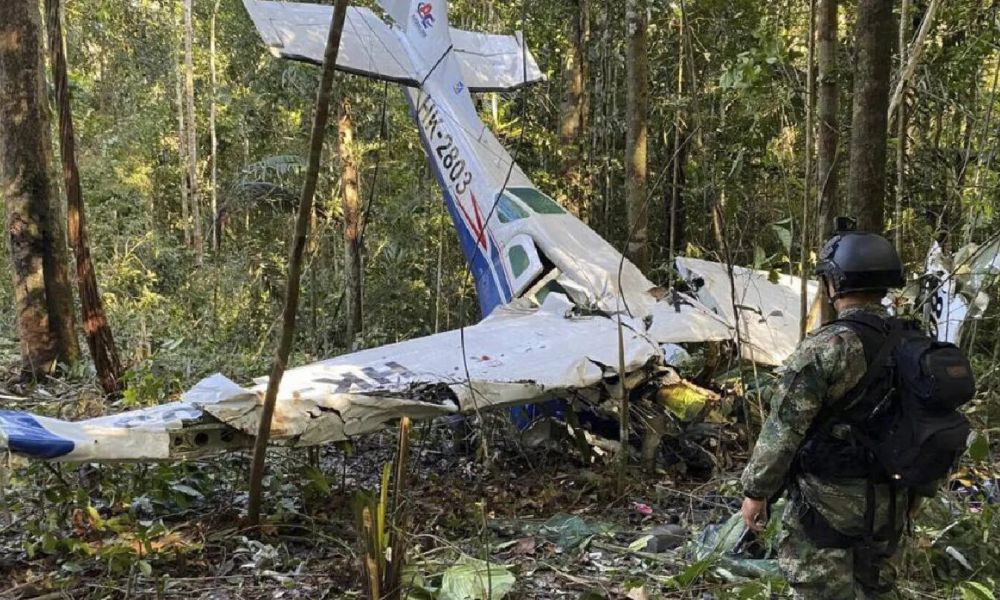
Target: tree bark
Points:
(192, 137)
(573, 115)
(211, 126)
(828, 133)
(182, 156)
(897, 216)
(295, 258)
(827, 106)
(635, 139)
(675, 213)
(869, 122)
(807, 177)
(352, 221)
(100, 340)
(42, 293)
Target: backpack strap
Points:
(879, 338)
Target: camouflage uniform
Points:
(825, 366)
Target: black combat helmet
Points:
(858, 261)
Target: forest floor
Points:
(547, 525)
(559, 528)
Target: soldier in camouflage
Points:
(858, 269)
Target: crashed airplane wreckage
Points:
(554, 295)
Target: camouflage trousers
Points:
(815, 573)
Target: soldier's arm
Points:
(805, 385)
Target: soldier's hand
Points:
(754, 514)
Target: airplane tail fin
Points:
(425, 26)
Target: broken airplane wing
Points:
(513, 357)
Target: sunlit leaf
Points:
(973, 590)
(473, 579)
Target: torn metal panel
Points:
(680, 318)
(954, 287)
(769, 312)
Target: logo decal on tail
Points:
(424, 17)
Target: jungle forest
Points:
(467, 299)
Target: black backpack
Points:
(899, 426)
(901, 422)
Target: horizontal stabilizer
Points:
(494, 63)
(367, 47)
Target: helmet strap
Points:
(825, 282)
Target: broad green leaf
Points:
(186, 490)
(640, 544)
(973, 590)
(473, 579)
(979, 450)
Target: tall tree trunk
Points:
(827, 101)
(573, 114)
(192, 137)
(41, 289)
(675, 214)
(869, 122)
(182, 156)
(828, 134)
(635, 139)
(352, 221)
(808, 180)
(100, 340)
(897, 213)
(211, 126)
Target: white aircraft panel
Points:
(769, 312)
(299, 31)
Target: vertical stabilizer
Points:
(424, 23)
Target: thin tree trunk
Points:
(635, 140)
(828, 133)
(573, 114)
(182, 157)
(211, 127)
(352, 221)
(897, 213)
(808, 179)
(296, 250)
(42, 293)
(192, 136)
(676, 232)
(869, 122)
(100, 340)
(827, 107)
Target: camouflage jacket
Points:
(824, 367)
